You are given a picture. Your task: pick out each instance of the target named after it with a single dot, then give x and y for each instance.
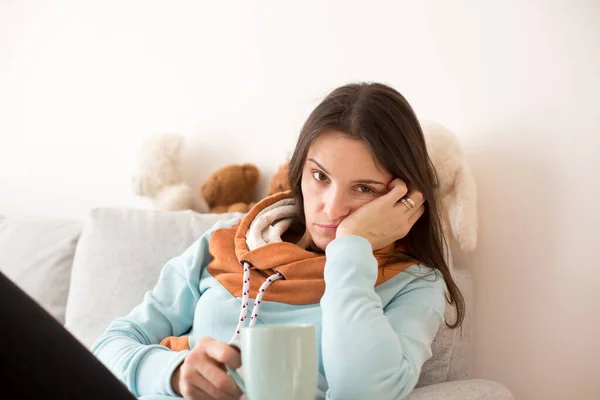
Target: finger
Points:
(220, 351)
(201, 388)
(397, 191)
(219, 378)
(224, 353)
(191, 391)
(192, 383)
(412, 201)
(417, 198)
(394, 182)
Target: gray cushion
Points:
(468, 389)
(451, 348)
(119, 257)
(461, 359)
(37, 253)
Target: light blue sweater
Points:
(373, 340)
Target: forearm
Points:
(363, 356)
(144, 368)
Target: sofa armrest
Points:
(466, 389)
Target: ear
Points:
(463, 209)
(173, 145)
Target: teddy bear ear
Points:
(251, 173)
(173, 144)
(463, 209)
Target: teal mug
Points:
(278, 362)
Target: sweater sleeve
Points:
(129, 346)
(370, 351)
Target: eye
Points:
(318, 175)
(365, 189)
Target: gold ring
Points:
(406, 203)
(412, 203)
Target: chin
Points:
(320, 239)
(322, 242)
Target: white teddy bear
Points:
(158, 175)
(457, 191)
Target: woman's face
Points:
(339, 176)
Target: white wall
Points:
(82, 83)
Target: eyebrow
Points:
(370, 181)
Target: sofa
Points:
(87, 272)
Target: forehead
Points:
(341, 154)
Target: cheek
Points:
(355, 202)
(310, 195)
(362, 201)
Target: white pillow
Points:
(119, 257)
(36, 253)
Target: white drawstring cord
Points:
(246, 295)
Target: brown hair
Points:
(385, 122)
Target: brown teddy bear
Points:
(279, 181)
(231, 188)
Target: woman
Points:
(355, 248)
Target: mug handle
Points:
(234, 374)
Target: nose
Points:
(335, 205)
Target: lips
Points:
(327, 226)
(328, 230)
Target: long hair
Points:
(385, 122)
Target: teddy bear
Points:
(158, 175)
(279, 181)
(231, 188)
(457, 189)
(218, 189)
